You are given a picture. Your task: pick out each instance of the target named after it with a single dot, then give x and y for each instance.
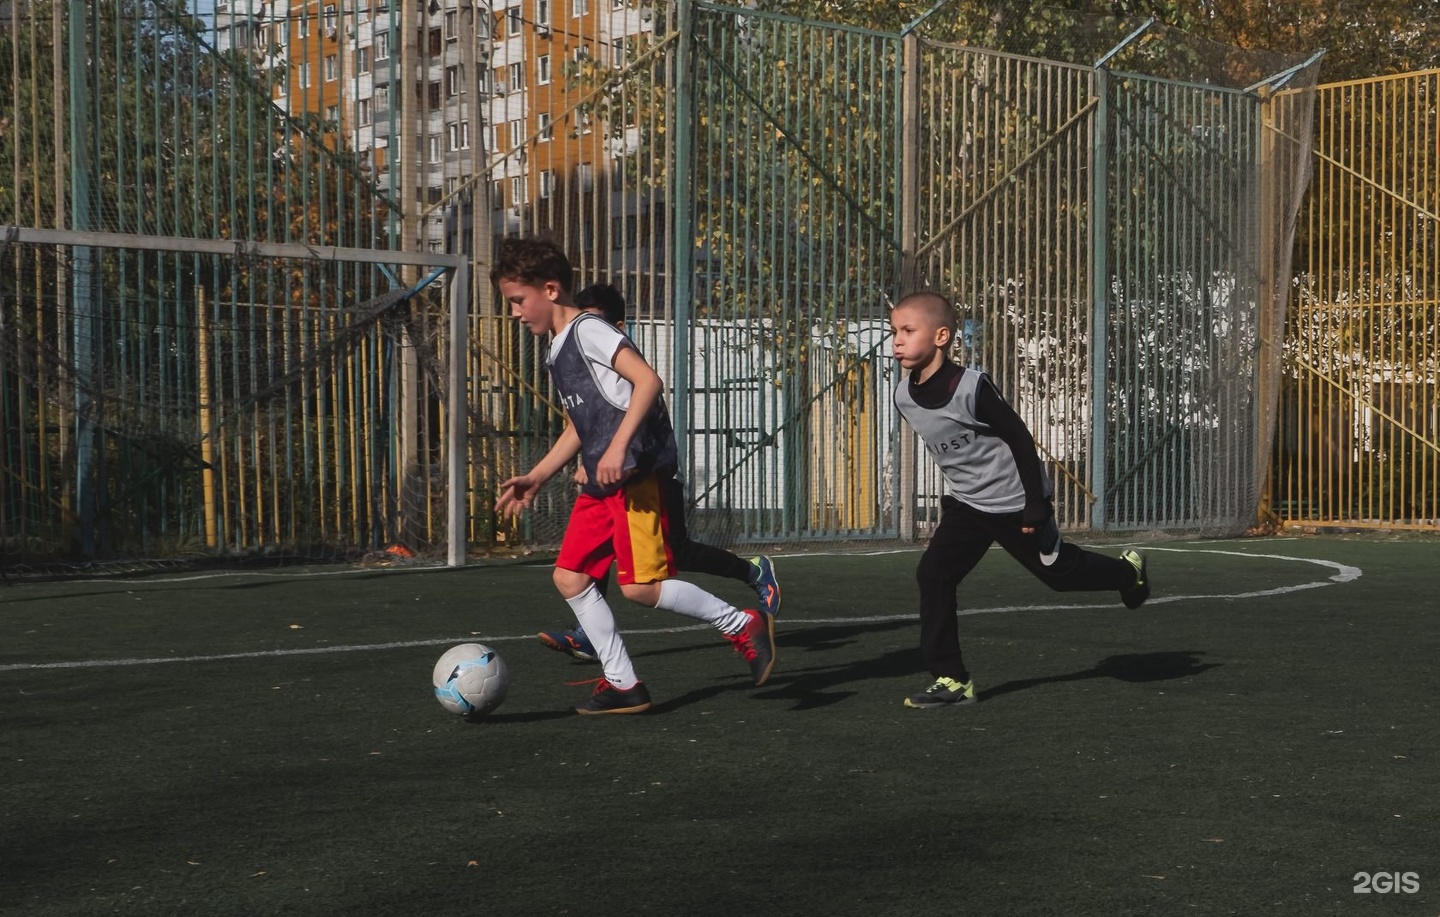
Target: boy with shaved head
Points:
(997, 492)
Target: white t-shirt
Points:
(599, 341)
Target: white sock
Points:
(692, 601)
(594, 614)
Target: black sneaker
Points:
(757, 644)
(946, 692)
(1136, 595)
(609, 699)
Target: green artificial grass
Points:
(1204, 754)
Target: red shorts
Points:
(629, 526)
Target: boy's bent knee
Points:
(642, 593)
(570, 583)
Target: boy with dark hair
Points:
(620, 429)
(996, 492)
(690, 556)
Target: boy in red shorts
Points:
(621, 431)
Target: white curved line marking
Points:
(1344, 573)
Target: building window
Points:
(497, 194)
(304, 24)
(330, 20)
(459, 135)
(542, 70)
(547, 184)
(618, 4)
(362, 112)
(451, 186)
(432, 144)
(519, 191)
(579, 7)
(547, 132)
(332, 115)
(332, 68)
(452, 25)
(517, 133)
(382, 100)
(454, 80)
(305, 75)
(585, 176)
(618, 52)
(434, 95)
(513, 19)
(516, 73)
(542, 13)
(382, 46)
(491, 143)
(362, 60)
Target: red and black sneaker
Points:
(607, 698)
(756, 642)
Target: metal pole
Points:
(1100, 296)
(682, 274)
(909, 206)
(82, 330)
(458, 421)
(207, 435)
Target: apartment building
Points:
(487, 115)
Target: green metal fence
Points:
(759, 187)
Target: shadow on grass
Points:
(492, 720)
(1135, 667)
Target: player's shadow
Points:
(809, 686)
(1134, 667)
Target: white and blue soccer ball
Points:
(470, 679)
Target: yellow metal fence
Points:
(1359, 437)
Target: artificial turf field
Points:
(267, 742)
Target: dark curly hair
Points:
(532, 261)
(603, 296)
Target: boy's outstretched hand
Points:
(516, 495)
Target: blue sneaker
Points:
(573, 642)
(765, 585)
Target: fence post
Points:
(909, 246)
(207, 434)
(682, 272)
(1100, 296)
(82, 62)
(458, 418)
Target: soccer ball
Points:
(470, 679)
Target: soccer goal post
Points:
(326, 385)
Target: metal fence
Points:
(1359, 442)
(760, 188)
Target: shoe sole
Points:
(765, 675)
(638, 708)
(944, 703)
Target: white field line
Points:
(1344, 573)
